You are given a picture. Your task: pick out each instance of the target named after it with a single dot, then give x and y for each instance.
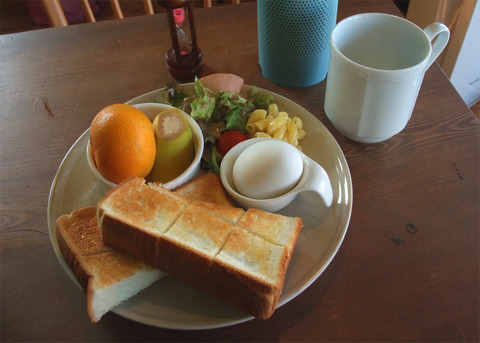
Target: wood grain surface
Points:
(408, 269)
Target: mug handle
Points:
(443, 33)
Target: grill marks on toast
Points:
(239, 256)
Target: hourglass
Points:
(182, 64)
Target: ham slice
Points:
(223, 82)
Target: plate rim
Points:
(283, 300)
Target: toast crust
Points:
(79, 235)
(132, 240)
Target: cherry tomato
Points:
(228, 140)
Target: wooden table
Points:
(408, 269)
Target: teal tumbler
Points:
(294, 40)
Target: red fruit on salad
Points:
(228, 140)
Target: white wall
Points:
(466, 72)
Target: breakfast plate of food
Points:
(169, 301)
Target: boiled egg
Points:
(267, 169)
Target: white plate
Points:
(172, 303)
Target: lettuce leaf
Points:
(203, 105)
(202, 108)
(175, 95)
(211, 160)
(259, 99)
(234, 109)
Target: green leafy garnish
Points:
(174, 95)
(234, 109)
(212, 159)
(203, 105)
(259, 99)
(202, 108)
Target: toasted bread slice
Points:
(249, 272)
(188, 248)
(207, 188)
(107, 275)
(210, 246)
(78, 234)
(134, 216)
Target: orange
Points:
(122, 142)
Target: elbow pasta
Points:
(275, 124)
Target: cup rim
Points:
(418, 65)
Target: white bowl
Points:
(151, 110)
(314, 178)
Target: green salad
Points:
(216, 113)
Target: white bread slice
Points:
(114, 277)
(107, 276)
(207, 188)
(252, 267)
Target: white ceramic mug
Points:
(376, 68)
